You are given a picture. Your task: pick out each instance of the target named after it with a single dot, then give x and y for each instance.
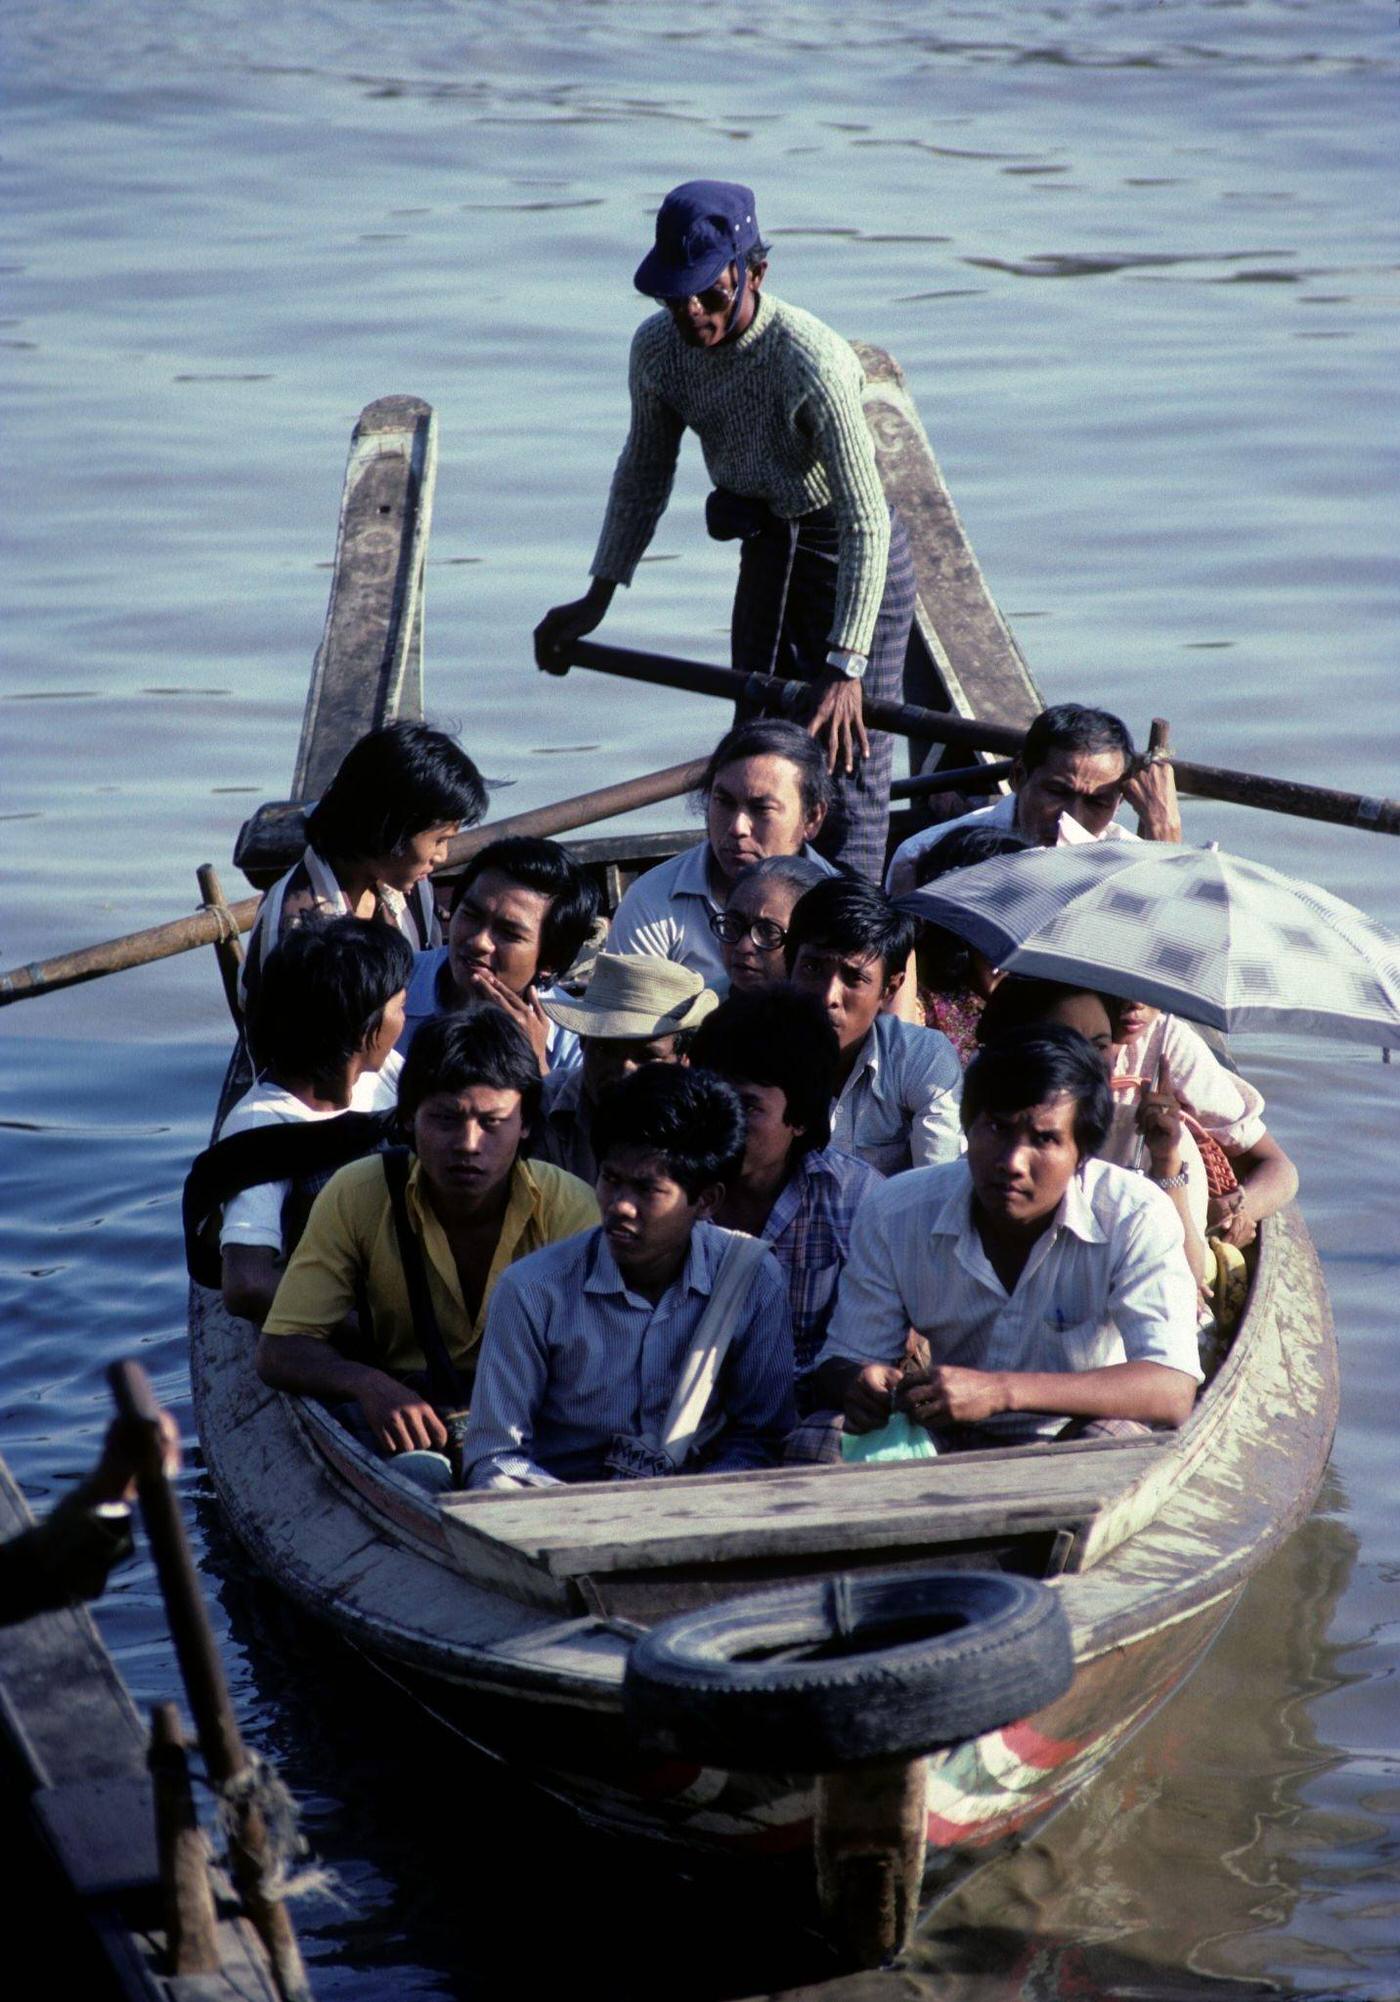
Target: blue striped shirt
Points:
(572, 1357)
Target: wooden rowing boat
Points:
(78, 1823)
(512, 1616)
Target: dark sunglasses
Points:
(730, 927)
(714, 299)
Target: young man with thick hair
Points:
(374, 838)
(423, 1254)
(1076, 762)
(766, 791)
(794, 1190)
(521, 912)
(328, 1012)
(826, 579)
(1051, 1288)
(592, 1346)
(897, 1084)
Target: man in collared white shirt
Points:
(1050, 1287)
(1074, 771)
(766, 792)
(898, 1084)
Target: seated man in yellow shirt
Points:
(415, 1244)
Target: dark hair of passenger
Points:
(853, 918)
(776, 1036)
(757, 256)
(550, 871)
(1032, 1065)
(964, 848)
(774, 737)
(945, 961)
(452, 1053)
(322, 996)
(1070, 726)
(1016, 1001)
(798, 872)
(391, 785)
(690, 1118)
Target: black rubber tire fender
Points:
(813, 1677)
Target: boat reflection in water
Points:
(1210, 1799)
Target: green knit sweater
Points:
(778, 414)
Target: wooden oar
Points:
(212, 925)
(225, 1757)
(904, 719)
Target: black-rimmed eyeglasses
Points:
(765, 933)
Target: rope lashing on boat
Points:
(283, 1874)
(229, 932)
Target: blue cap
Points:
(701, 227)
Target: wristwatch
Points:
(1180, 1180)
(852, 665)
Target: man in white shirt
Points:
(1077, 763)
(897, 1084)
(766, 791)
(1050, 1287)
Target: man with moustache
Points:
(826, 582)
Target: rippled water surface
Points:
(1139, 263)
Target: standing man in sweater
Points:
(826, 584)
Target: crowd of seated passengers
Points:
(834, 1093)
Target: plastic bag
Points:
(898, 1439)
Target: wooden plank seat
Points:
(538, 1544)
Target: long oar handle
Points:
(906, 719)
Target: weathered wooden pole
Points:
(191, 1922)
(906, 719)
(220, 1741)
(227, 949)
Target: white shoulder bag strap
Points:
(700, 1371)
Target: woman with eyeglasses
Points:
(765, 793)
(826, 582)
(752, 927)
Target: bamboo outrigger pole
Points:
(219, 923)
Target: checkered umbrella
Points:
(1209, 936)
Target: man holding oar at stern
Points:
(826, 583)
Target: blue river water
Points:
(1138, 259)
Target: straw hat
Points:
(635, 995)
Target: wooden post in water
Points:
(220, 1740)
(871, 1827)
(191, 1922)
